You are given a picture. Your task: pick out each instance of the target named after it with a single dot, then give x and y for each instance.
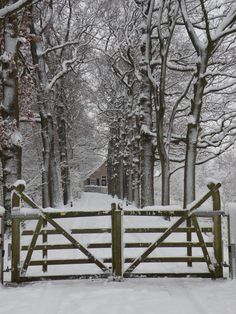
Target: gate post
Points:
(217, 229)
(117, 246)
(15, 247)
(1, 247)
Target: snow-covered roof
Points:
(96, 169)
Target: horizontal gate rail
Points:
(73, 214)
(170, 213)
(127, 230)
(168, 275)
(64, 277)
(127, 275)
(126, 260)
(56, 215)
(108, 245)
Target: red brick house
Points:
(97, 179)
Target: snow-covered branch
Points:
(69, 43)
(65, 69)
(189, 26)
(215, 89)
(222, 30)
(174, 66)
(9, 9)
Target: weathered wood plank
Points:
(63, 277)
(127, 230)
(161, 230)
(73, 214)
(117, 249)
(168, 213)
(62, 262)
(218, 247)
(1, 249)
(15, 245)
(15, 250)
(168, 275)
(108, 245)
(105, 275)
(174, 213)
(109, 260)
(44, 251)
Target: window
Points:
(92, 181)
(104, 180)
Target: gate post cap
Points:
(19, 185)
(211, 183)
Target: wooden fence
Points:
(117, 265)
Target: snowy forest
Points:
(147, 85)
(142, 94)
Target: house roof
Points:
(103, 164)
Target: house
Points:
(97, 180)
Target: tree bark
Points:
(50, 182)
(63, 148)
(10, 143)
(147, 152)
(193, 129)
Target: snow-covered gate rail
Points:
(117, 265)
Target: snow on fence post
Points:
(117, 247)
(217, 229)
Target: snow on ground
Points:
(132, 296)
(103, 296)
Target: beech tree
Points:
(214, 30)
(11, 139)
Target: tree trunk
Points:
(164, 159)
(53, 179)
(145, 104)
(11, 137)
(46, 158)
(193, 129)
(50, 182)
(190, 165)
(147, 154)
(63, 148)
(136, 161)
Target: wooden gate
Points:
(48, 225)
(117, 264)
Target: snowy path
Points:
(132, 296)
